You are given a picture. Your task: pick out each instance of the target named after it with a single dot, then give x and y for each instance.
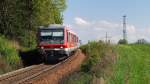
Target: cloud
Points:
(96, 29)
(131, 29)
(105, 24)
(81, 22)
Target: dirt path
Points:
(58, 73)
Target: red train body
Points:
(56, 41)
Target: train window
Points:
(57, 33)
(52, 36)
(46, 33)
(69, 37)
(74, 38)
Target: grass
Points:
(78, 78)
(120, 64)
(132, 65)
(9, 58)
(95, 52)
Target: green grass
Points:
(132, 65)
(94, 51)
(9, 58)
(90, 68)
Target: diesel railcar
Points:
(56, 41)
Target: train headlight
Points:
(42, 47)
(61, 47)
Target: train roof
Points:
(57, 26)
(51, 26)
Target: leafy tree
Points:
(122, 41)
(7, 17)
(142, 41)
(20, 18)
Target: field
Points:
(119, 64)
(132, 65)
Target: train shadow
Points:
(32, 57)
(54, 61)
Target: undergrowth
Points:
(120, 64)
(9, 58)
(91, 68)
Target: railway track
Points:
(25, 75)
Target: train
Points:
(56, 42)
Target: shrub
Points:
(122, 41)
(93, 50)
(8, 55)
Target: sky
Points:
(91, 19)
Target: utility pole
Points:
(107, 38)
(124, 28)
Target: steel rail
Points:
(28, 73)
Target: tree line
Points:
(19, 19)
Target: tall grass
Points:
(94, 51)
(90, 68)
(132, 65)
(9, 58)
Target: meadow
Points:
(115, 64)
(98, 54)
(132, 65)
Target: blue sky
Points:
(95, 17)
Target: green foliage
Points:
(132, 66)
(79, 78)
(9, 58)
(91, 68)
(123, 41)
(94, 51)
(48, 11)
(20, 18)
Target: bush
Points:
(8, 55)
(98, 55)
(94, 51)
(78, 78)
(122, 41)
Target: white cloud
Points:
(131, 29)
(93, 30)
(81, 22)
(147, 30)
(105, 24)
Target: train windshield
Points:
(52, 36)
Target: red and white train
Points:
(56, 41)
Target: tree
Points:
(122, 41)
(141, 41)
(19, 19)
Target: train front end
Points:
(51, 42)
